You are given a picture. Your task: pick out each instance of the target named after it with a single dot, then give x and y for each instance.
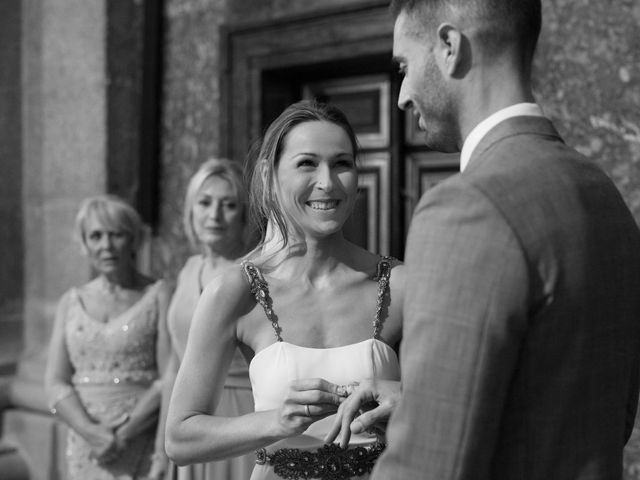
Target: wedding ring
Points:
(351, 387)
(306, 410)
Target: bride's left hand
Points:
(306, 401)
(368, 406)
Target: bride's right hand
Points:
(307, 401)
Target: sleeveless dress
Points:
(114, 365)
(275, 366)
(236, 398)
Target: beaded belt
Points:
(329, 462)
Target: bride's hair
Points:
(264, 204)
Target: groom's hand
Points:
(368, 406)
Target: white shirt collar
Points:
(480, 130)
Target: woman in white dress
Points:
(216, 222)
(314, 314)
(107, 353)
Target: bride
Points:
(313, 313)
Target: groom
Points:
(520, 353)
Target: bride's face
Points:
(316, 178)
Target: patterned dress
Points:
(114, 365)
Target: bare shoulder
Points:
(398, 274)
(190, 266)
(163, 290)
(63, 303)
(229, 291)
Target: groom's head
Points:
(452, 50)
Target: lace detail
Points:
(114, 365)
(143, 377)
(105, 405)
(121, 350)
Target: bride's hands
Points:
(368, 407)
(306, 402)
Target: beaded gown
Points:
(274, 367)
(114, 365)
(236, 398)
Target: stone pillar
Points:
(63, 84)
(10, 189)
(64, 141)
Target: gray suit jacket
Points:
(520, 352)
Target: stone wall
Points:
(587, 77)
(190, 122)
(11, 288)
(191, 106)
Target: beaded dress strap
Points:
(260, 290)
(383, 273)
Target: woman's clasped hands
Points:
(104, 440)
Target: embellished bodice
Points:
(121, 350)
(273, 368)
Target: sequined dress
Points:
(274, 367)
(114, 364)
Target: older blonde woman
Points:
(108, 350)
(215, 221)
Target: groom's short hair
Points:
(499, 24)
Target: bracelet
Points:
(58, 393)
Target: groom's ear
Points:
(450, 50)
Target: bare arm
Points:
(193, 435)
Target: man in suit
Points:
(520, 353)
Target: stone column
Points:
(64, 141)
(63, 160)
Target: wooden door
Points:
(342, 58)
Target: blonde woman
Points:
(108, 350)
(215, 221)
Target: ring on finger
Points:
(306, 410)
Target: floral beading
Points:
(329, 462)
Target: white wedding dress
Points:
(273, 368)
